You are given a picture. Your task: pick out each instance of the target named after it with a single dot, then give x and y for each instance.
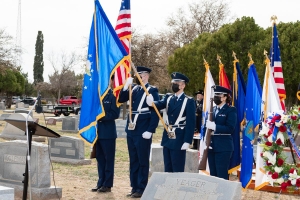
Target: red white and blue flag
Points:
(276, 67)
(123, 30)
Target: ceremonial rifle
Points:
(208, 133)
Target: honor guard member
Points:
(223, 125)
(199, 106)
(106, 142)
(180, 120)
(139, 131)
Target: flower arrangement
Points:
(275, 132)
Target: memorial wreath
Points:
(277, 132)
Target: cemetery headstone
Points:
(2, 106)
(7, 193)
(157, 161)
(20, 105)
(120, 125)
(187, 186)
(70, 124)
(67, 149)
(51, 121)
(13, 155)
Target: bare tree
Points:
(63, 80)
(7, 50)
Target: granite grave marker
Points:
(190, 186)
(67, 149)
(13, 155)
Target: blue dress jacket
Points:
(146, 121)
(107, 125)
(184, 133)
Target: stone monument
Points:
(12, 167)
(67, 149)
(70, 124)
(190, 186)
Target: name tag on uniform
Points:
(106, 102)
(222, 115)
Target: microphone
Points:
(39, 108)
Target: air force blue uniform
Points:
(138, 147)
(174, 157)
(106, 143)
(222, 142)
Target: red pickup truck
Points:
(70, 100)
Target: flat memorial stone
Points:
(67, 149)
(7, 193)
(190, 186)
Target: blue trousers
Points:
(105, 155)
(219, 163)
(139, 153)
(174, 160)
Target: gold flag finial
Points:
(234, 55)
(204, 60)
(273, 19)
(219, 59)
(251, 61)
(250, 56)
(265, 53)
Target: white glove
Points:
(128, 82)
(149, 100)
(147, 135)
(210, 125)
(185, 146)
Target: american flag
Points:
(123, 30)
(277, 67)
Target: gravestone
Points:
(120, 126)
(4, 116)
(51, 121)
(25, 111)
(70, 124)
(12, 167)
(2, 106)
(68, 149)
(13, 133)
(190, 186)
(157, 160)
(20, 105)
(7, 193)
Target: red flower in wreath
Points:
(282, 129)
(298, 182)
(293, 117)
(269, 143)
(275, 151)
(292, 170)
(267, 163)
(279, 142)
(275, 175)
(299, 126)
(283, 186)
(280, 162)
(289, 182)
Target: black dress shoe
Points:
(104, 189)
(129, 194)
(136, 195)
(95, 188)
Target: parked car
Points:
(16, 100)
(70, 100)
(29, 100)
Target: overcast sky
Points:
(66, 23)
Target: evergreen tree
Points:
(38, 66)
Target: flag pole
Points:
(235, 88)
(147, 93)
(95, 33)
(267, 62)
